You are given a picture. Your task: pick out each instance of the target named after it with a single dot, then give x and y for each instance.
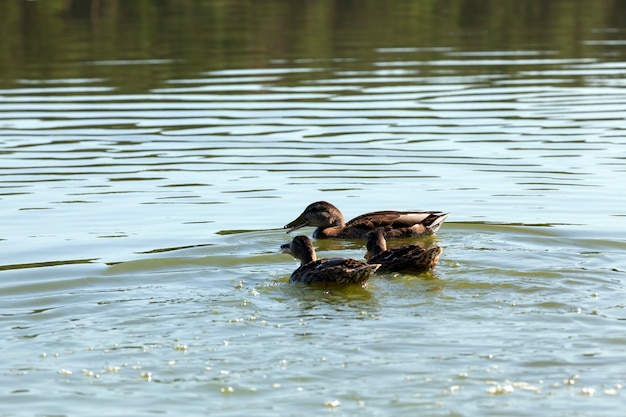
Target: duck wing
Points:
(336, 270)
(393, 219)
(408, 258)
(397, 258)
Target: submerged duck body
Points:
(330, 222)
(411, 258)
(338, 271)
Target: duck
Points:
(410, 258)
(330, 223)
(341, 271)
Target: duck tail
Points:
(432, 254)
(437, 221)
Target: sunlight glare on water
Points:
(145, 191)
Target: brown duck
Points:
(330, 222)
(325, 271)
(411, 258)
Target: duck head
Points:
(319, 214)
(300, 248)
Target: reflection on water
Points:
(149, 163)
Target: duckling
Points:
(411, 258)
(341, 271)
(330, 223)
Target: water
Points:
(144, 192)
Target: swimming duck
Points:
(330, 222)
(325, 271)
(411, 258)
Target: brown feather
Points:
(330, 223)
(410, 258)
(341, 271)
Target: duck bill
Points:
(286, 248)
(367, 256)
(298, 223)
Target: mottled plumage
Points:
(325, 271)
(411, 258)
(330, 222)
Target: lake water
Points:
(152, 152)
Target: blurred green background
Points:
(45, 39)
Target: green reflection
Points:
(136, 45)
(47, 264)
